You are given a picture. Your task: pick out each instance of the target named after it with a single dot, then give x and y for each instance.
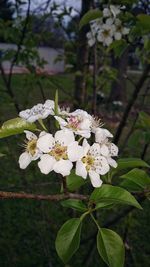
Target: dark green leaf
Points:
(143, 121)
(74, 204)
(110, 247)
(126, 163)
(138, 177)
(118, 46)
(68, 239)
(89, 16)
(15, 126)
(74, 181)
(108, 194)
(144, 21)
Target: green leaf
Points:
(108, 194)
(2, 155)
(15, 126)
(143, 121)
(138, 177)
(110, 248)
(74, 204)
(89, 16)
(118, 46)
(74, 181)
(126, 163)
(68, 239)
(144, 22)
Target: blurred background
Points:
(42, 49)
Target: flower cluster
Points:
(108, 28)
(70, 147)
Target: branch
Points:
(23, 195)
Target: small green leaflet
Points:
(15, 126)
(89, 16)
(68, 239)
(110, 247)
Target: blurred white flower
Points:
(92, 164)
(91, 38)
(115, 10)
(60, 151)
(39, 111)
(105, 35)
(120, 30)
(106, 12)
(31, 151)
(79, 122)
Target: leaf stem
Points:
(96, 222)
(42, 124)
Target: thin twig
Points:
(23, 195)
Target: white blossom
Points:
(91, 38)
(60, 151)
(79, 122)
(92, 164)
(31, 151)
(39, 111)
(120, 30)
(105, 35)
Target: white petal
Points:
(61, 121)
(101, 165)
(25, 114)
(86, 146)
(95, 179)
(46, 163)
(83, 133)
(81, 170)
(109, 21)
(125, 31)
(75, 152)
(45, 142)
(104, 150)
(108, 41)
(113, 150)
(30, 135)
(95, 150)
(49, 104)
(65, 137)
(33, 118)
(112, 162)
(100, 37)
(24, 160)
(117, 36)
(63, 167)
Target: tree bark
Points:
(82, 58)
(119, 87)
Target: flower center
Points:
(106, 33)
(74, 122)
(88, 161)
(59, 152)
(31, 147)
